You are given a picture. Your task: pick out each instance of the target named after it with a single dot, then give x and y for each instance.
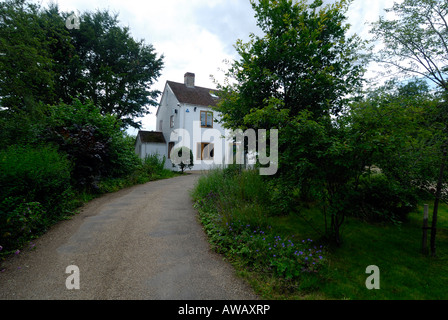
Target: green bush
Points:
(153, 164)
(94, 143)
(34, 190)
(379, 199)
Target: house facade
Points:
(185, 118)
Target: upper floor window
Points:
(172, 121)
(206, 119)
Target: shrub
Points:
(94, 142)
(34, 190)
(233, 209)
(379, 199)
(153, 164)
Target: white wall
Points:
(146, 149)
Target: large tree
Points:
(304, 59)
(113, 69)
(26, 66)
(416, 43)
(294, 78)
(42, 60)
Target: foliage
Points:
(304, 61)
(379, 199)
(416, 40)
(43, 61)
(112, 69)
(416, 43)
(35, 191)
(398, 127)
(295, 78)
(233, 211)
(87, 137)
(26, 72)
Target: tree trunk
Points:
(436, 202)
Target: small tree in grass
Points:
(182, 158)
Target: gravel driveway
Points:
(143, 242)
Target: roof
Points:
(151, 137)
(193, 95)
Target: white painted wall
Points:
(146, 149)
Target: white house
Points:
(185, 118)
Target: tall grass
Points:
(236, 212)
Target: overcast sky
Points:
(198, 35)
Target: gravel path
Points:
(139, 243)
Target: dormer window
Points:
(206, 119)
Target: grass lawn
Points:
(405, 274)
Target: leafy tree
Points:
(295, 78)
(112, 69)
(396, 129)
(41, 60)
(416, 43)
(304, 60)
(26, 73)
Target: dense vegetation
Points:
(356, 160)
(66, 99)
(353, 156)
(288, 256)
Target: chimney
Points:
(189, 79)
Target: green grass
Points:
(405, 274)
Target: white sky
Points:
(197, 35)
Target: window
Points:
(160, 125)
(170, 147)
(172, 121)
(206, 119)
(205, 151)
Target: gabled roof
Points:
(193, 95)
(151, 137)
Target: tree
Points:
(26, 73)
(295, 77)
(304, 60)
(417, 43)
(112, 69)
(41, 60)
